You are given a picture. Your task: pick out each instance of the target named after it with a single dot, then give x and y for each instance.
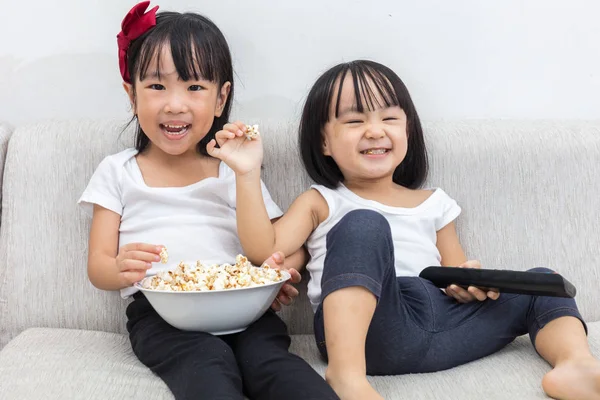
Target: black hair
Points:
(374, 83)
(199, 51)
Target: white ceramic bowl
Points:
(219, 312)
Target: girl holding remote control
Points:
(370, 231)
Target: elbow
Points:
(258, 257)
(92, 277)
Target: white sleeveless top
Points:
(414, 231)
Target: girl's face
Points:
(175, 114)
(366, 145)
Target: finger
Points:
(454, 295)
(477, 293)
(493, 295)
(285, 300)
(212, 150)
(237, 128)
(450, 292)
(241, 128)
(141, 256)
(134, 265)
(132, 277)
(150, 248)
(289, 290)
(295, 276)
(275, 305)
(462, 294)
(276, 260)
(471, 264)
(223, 136)
(278, 257)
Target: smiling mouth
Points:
(375, 151)
(175, 130)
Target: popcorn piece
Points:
(252, 132)
(164, 255)
(215, 277)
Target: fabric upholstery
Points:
(5, 132)
(526, 188)
(99, 365)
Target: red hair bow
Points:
(135, 24)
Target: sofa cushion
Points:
(526, 188)
(5, 132)
(100, 365)
(43, 244)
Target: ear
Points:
(130, 93)
(326, 150)
(222, 98)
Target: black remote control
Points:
(505, 281)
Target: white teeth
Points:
(175, 126)
(375, 151)
(176, 133)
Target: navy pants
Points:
(197, 365)
(416, 327)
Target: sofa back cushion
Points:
(5, 133)
(528, 192)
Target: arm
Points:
(107, 269)
(453, 256)
(449, 246)
(258, 236)
(297, 260)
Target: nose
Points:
(176, 104)
(374, 131)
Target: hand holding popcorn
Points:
(287, 292)
(134, 259)
(239, 146)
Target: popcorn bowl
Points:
(219, 312)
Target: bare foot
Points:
(351, 388)
(574, 380)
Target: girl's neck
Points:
(372, 187)
(158, 156)
(164, 170)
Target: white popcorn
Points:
(164, 255)
(252, 131)
(215, 277)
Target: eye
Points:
(354, 121)
(390, 119)
(156, 86)
(195, 88)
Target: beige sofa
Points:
(530, 193)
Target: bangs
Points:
(373, 88)
(192, 46)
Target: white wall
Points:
(459, 58)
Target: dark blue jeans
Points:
(416, 327)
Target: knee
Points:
(540, 269)
(362, 227)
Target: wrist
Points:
(249, 176)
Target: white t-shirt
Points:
(414, 232)
(195, 222)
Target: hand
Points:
(134, 259)
(235, 150)
(287, 292)
(472, 293)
